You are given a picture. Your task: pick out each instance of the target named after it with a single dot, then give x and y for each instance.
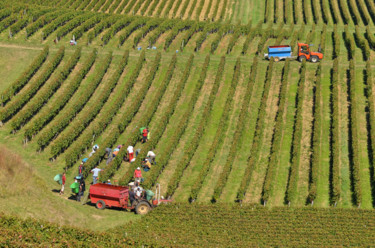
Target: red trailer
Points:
(106, 195)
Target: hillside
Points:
(226, 125)
(258, 148)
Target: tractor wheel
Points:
(142, 208)
(276, 59)
(100, 205)
(314, 59)
(301, 58)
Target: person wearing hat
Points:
(138, 174)
(151, 156)
(109, 182)
(146, 165)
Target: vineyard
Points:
(285, 227)
(226, 124)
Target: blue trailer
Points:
(279, 52)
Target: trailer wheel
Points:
(100, 205)
(301, 58)
(142, 208)
(276, 59)
(314, 59)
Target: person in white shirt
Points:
(95, 173)
(151, 156)
(138, 191)
(130, 150)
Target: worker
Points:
(138, 190)
(95, 173)
(144, 135)
(63, 179)
(115, 152)
(138, 151)
(94, 149)
(146, 165)
(108, 151)
(80, 169)
(109, 182)
(130, 150)
(82, 188)
(138, 174)
(151, 156)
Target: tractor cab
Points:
(304, 53)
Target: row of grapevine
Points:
(257, 141)
(41, 22)
(354, 144)
(222, 180)
(335, 133)
(371, 109)
(291, 192)
(126, 117)
(176, 136)
(105, 23)
(349, 42)
(89, 24)
(146, 119)
(362, 43)
(43, 95)
(49, 113)
(193, 144)
(26, 94)
(316, 137)
(164, 120)
(60, 21)
(129, 30)
(22, 80)
(77, 126)
(7, 22)
(108, 113)
(274, 158)
(70, 111)
(370, 38)
(150, 25)
(120, 24)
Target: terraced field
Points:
(226, 125)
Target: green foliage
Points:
(75, 107)
(354, 144)
(316, 136)
(291, 192)
(22, 98)
(255, 147)
(45, 93)
(77, 126)
(46, 116)
(335, 140)
(274, 158)
(22, 80)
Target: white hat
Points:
(138, 168)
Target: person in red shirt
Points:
(138, 174)
(63, 184)
(144, 135)
(80, 169)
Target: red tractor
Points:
(105, 195)
(304, 53)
